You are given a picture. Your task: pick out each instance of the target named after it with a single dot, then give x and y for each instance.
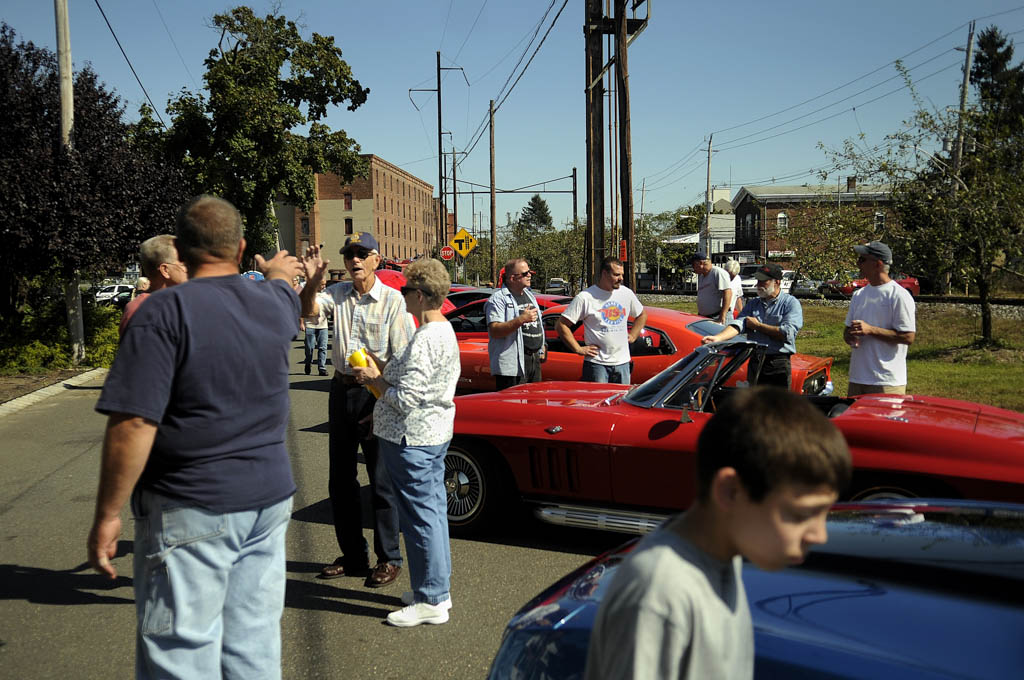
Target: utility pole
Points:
(443, 230)
(625, 144)
(707, 201)
(958, 149)
(494, 217)
(593, 31)
(72, 293)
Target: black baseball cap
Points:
(876, 249)
(768, 271)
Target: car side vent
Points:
(554, 469)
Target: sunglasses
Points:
(525, 274)
(361, 253)
(408, 289)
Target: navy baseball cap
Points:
(360, 239)
(875, 249)
(699, 256)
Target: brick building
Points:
(763, 213)
(392, 204)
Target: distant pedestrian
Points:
(515, 339)
(714, 292)
(769, 466)
(197, 405)
(162, 267)
(604, 309)
(316, 337)
(772, 319)
(880, 325)
(732, 268)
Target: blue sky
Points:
(698, 69)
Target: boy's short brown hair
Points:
(772, 437)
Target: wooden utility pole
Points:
(593, 25)
(443, 222)
(958, 145)
(72, 292)
(494, 214)
(707, 202)
(625, 145)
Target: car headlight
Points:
(818, 384)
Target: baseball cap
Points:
(875, 249)
(699, 256)
(768, 271)
(361, 239)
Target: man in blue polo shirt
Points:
(771, 319)
(197, 400)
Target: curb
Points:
(15, 405)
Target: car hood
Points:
(553, 393)
(922, 588)
(946, 413)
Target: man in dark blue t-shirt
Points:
(197, 400)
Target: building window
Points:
(348, 201)
(782, 222)
(348, 225)
(304, 226)
(879, 221)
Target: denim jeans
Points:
(605, 374)
(316, 338)
(418, 475)
(209, 589)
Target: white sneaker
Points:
(407, 598)
(418, 613)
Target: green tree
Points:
(822, 238)
(83, 209)
(535, 216)
(263, 84)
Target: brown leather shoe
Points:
(337, 569)
(383, 574)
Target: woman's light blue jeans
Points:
(209, 589)
(417, 473)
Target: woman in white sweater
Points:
(413, 421)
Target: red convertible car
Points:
(619, 458)
(667, 336)
(911, 283)
(469, 321)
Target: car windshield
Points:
(701, 369)
(704, 327)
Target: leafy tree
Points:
(67, 211)
(968, 223)
(535, 216)
(823, 236)
(263, 83)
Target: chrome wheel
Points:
(465, 486)
(883, 493)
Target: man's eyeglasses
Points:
(408, 289)
(522, 275)
(361, 253)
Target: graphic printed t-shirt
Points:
(605, 314)
(207, 360)
(876, 361)
(533, 335)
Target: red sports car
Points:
(911, 283)
(470, 322)
(620, 458)
(667, 336)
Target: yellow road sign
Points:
(463, 242)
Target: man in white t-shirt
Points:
(604, 309)
(714, 294)
(880, 326)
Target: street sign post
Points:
(463, 242)
(447, 253)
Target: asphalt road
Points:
(59, 620)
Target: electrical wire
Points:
(155, 110)
(470, 30)
(168, 31)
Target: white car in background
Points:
(108, 292)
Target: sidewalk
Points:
(15, 405)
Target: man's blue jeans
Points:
(605, 374)
(209, 589)
(316, 338)
(418, 476)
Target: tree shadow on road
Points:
(63, 586)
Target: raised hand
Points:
(281, 266)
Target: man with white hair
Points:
(880, 325)
(714, 294)
(162, 267)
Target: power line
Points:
(168, 31)
(155, 110)
(471, 30)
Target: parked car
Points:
(107, 292)
(921, 589)
(469, 321)
(667, 336)
(458, 298)
(837, 287)
(120, 300)
(622, 458)
(749, 283)
(557, 286)
(805, 287)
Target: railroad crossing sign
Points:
(447, 253)
(463, 242)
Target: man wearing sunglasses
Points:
(515, 339)
(366, 314)
(880, 325)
